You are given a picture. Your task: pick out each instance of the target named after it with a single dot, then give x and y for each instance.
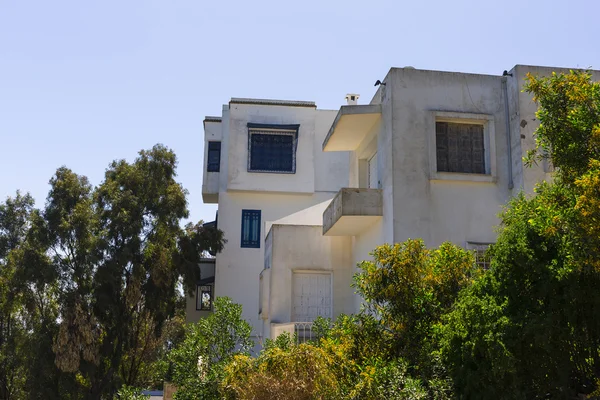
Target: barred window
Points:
(272, 148)
(460, 147)
(482, 258)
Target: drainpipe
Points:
(508, 142)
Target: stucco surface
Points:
(298, 248)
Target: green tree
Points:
(110, 261)
(14, 224)
(410, 287)
(198, 362)
(530, 327)
(130, 393)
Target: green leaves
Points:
(411, 287)
(569, 132)
(99, 270)
(529, 327)
(209, 345)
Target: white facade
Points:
(235, 187)
(390, 168)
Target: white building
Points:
(263, 161)
(305, 194)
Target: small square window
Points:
(462, 147)
(272, 148)
(204, 297)
(214, 157)
(250, 228)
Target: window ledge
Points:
(458, 176)
(260, 171)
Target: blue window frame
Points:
(272, 148)
(251, 228)
(214, 157)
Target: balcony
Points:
(352, 211)
(210, 188)
(352, 125)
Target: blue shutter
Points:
(250, 228)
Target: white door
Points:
(312, 296)
(373, 179)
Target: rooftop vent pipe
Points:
(352, 99)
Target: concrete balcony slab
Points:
(352, 211)
(351, 126)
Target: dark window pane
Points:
(214, 157)
(441, 143)
(459, 148)
(271, 152)
(250, 228)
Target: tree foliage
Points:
(14, 223)
(99, 270)
(410, 287)
(337, 366)
(383, 352)
(208, 346)
(530, 328)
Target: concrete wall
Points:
(304, 248)
(526, 123)
(309, 163)
(364, 244)
(318, 177)
(225, 143)
(456, 210)
(237, 268)
(331, 168)
(210, 180)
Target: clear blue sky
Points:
(86, 82)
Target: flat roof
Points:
(271, 102)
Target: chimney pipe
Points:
(352, 99)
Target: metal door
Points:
(312, 296)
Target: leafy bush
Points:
(296, 372)
(209, 345)
(130, 393)
(530, 328)
(409, 287)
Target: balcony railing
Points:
(301, 332)
(304, 332)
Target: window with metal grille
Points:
(251, 228)
(214, 157)
(482, 258)
(204, 297)
(460, 147)
(272, 148)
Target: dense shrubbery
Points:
(384, 352)
(530, 328)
